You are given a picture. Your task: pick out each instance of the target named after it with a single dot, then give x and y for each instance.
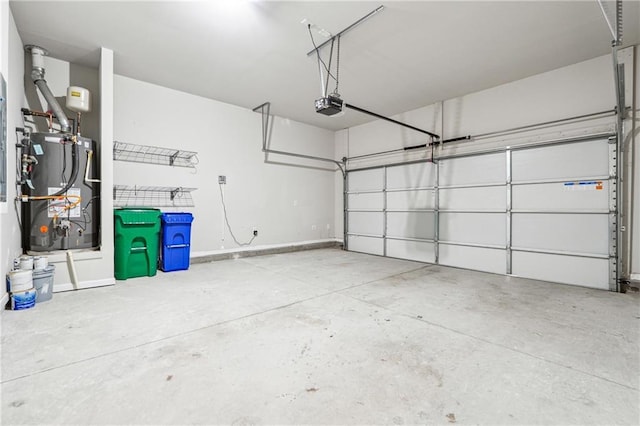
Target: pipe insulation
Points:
(71, 266)
(37, 75)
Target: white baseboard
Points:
(231, 251)
(635, 277)
(4, 300)
(83, 285)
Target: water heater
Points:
(61, 208)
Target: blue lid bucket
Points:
(23, 300)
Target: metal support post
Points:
(384, 211)
(509, 208)
(436, 213)
(613, 214)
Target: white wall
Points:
(104, 266)
(4, 32)
(12, 67)
(578, 89)
(582, 88)
(285, 202)
(635, 155)
(4, 68)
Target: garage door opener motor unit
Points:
(332, 104)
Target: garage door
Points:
(543, 212)
(473, 212)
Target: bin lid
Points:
(177, 218)
(137, 216)
(37, 273)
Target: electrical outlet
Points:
(314, 227)
(222, 180)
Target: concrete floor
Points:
(325, 337)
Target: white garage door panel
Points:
(480, 259)
(420, 175)
(411, 224)
(557, 196)
(409, 200)
(585, 233)
(366, 180)
(476, 170)
(474, 228)
(412, 250)
(575, 160)
(366, 244)
(563, 269)
(487, 198)
(369, 223)
(367, 200)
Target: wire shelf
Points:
(152, 196)
(154, 155)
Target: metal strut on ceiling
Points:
(349, 28)
(265, 110)
(382, 117)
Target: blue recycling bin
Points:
(176, 241)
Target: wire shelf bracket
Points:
(152, 196)
(123, 151)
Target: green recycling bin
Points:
(137, 238)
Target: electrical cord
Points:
(226, 220)
(74, 169)
(19, 156)
(95, 197)
(15, 207)
(63, 177)
(75, 222)
(85, 215)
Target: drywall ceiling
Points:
(247, 52)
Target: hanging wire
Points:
(226, 220)
(318, 53)
(335, 92)
(15, 207)
(326, 86)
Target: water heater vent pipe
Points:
(37, 75)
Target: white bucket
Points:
(40, 263)
(26, 262)
(19, 281)
(43, 283)
(23, 300)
